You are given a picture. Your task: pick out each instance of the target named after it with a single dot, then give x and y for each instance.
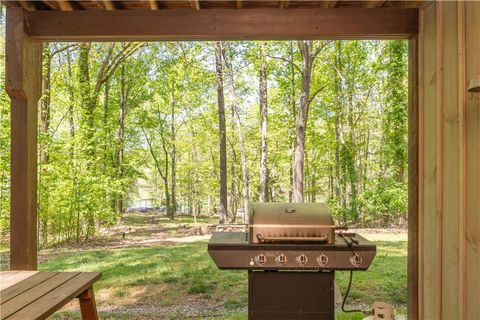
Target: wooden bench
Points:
(28, 295)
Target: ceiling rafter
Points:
(27, 5)
(107, 4)
(328, 4)
(63, 5)
(153, 4)
(284, 4)
(195, 4)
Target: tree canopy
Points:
(326, 120)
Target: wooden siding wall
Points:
(449, 162)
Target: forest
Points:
(208, 127)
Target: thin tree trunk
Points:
(308, 53)
(44, 155)
(294, 115)
(306, 50)
(263, 125)
(121, 141)
(88, 106)
(243, 157)
(173, 183)
(222, 133)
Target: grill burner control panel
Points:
(307, 259)
(232, 250)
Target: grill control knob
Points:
(302, 259)
(260, 259)
(356, 260)
(322, 260)
(281, 259)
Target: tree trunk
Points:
(263, 125)
(44, 155)
(87, 117)
(173, 183)
(45, 101)
(121, 141)
(222, 133)
(294, 116)
(306, 50)
(238, 123)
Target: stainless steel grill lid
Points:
(291, 223)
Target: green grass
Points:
(187, 269)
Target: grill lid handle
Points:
(322, 239)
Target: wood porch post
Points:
(23, 84)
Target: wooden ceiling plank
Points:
(328, 4)
(284, 4)
(195, 4)
(232, 24)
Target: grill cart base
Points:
(288, 295)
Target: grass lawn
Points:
(180, 281)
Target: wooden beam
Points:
(23, 84)
(413, 177)
(137, 25)
(195, 4)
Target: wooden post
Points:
(87, 305)
(23, 83)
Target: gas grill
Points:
(291, 251)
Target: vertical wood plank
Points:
(23, 82)
(421, 80)
(413, 178)
(450, 163)
(429, 275)
(439, 166)
(462, 157)
(472, 137)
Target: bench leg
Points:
(87, 305)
